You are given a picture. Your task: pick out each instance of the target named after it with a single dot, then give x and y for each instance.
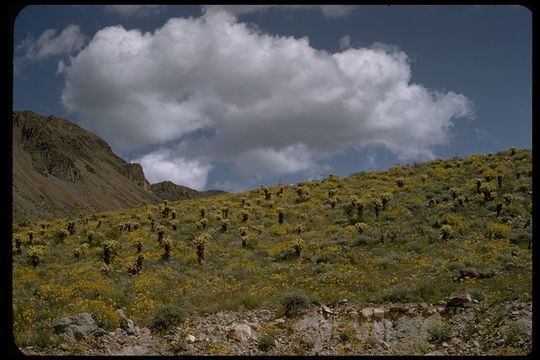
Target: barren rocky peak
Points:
(59, 169)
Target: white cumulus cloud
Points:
(331, 11)
(214, 90)
(161, 166)
(135, 10)
(70, 40)
(344, 42)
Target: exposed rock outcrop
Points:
(77, 326)
(60, 169)
(405, 329)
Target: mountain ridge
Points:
(60, 168)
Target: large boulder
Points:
(460, 298)
(77, 326)
(241, 332)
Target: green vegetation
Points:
(417, 227)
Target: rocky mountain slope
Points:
(60, 168)
(168, 190)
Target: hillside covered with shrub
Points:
(414, 233)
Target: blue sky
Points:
(237, 96)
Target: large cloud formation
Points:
(330, 11)
(212, 89)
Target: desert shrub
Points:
(280, 215)
(244, 215)
(489, 174)
(202, 212)
(477, 294)
(268, 338)
(521, 237)
(298, 246)
(161, 233)
(385, 200)
(36, 253)
(201, 242)
(449, 219)
(299, 228)
(508, 198)
(498, 231)
(249, 301)
(346, 332)
(488, 192)
(285, 255)
(361, 227)
(376, 205)
(439, 332)
(167, 316)
(61, 235)
(202, 223)
(167, 244)
(224, 225)
(327, 258)
(398, 293)
(80, 251)
(293, 302)
(516, 334)
(446, 231)
(362, 240)
(109, 247)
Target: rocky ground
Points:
(469, 328)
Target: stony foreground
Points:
(388, 329)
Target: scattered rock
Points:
(434, 353)
(343, 301)
(326, 310)
(278, 322)
(100, 332)
(397, 310)
(190, 339)
(241, 332)
(378, 313)
(76, 327)
(459, 298)
(127, 324)
(367, 313)
(393, 333)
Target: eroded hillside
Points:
(412, 234)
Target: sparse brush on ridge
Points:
(220, 262)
